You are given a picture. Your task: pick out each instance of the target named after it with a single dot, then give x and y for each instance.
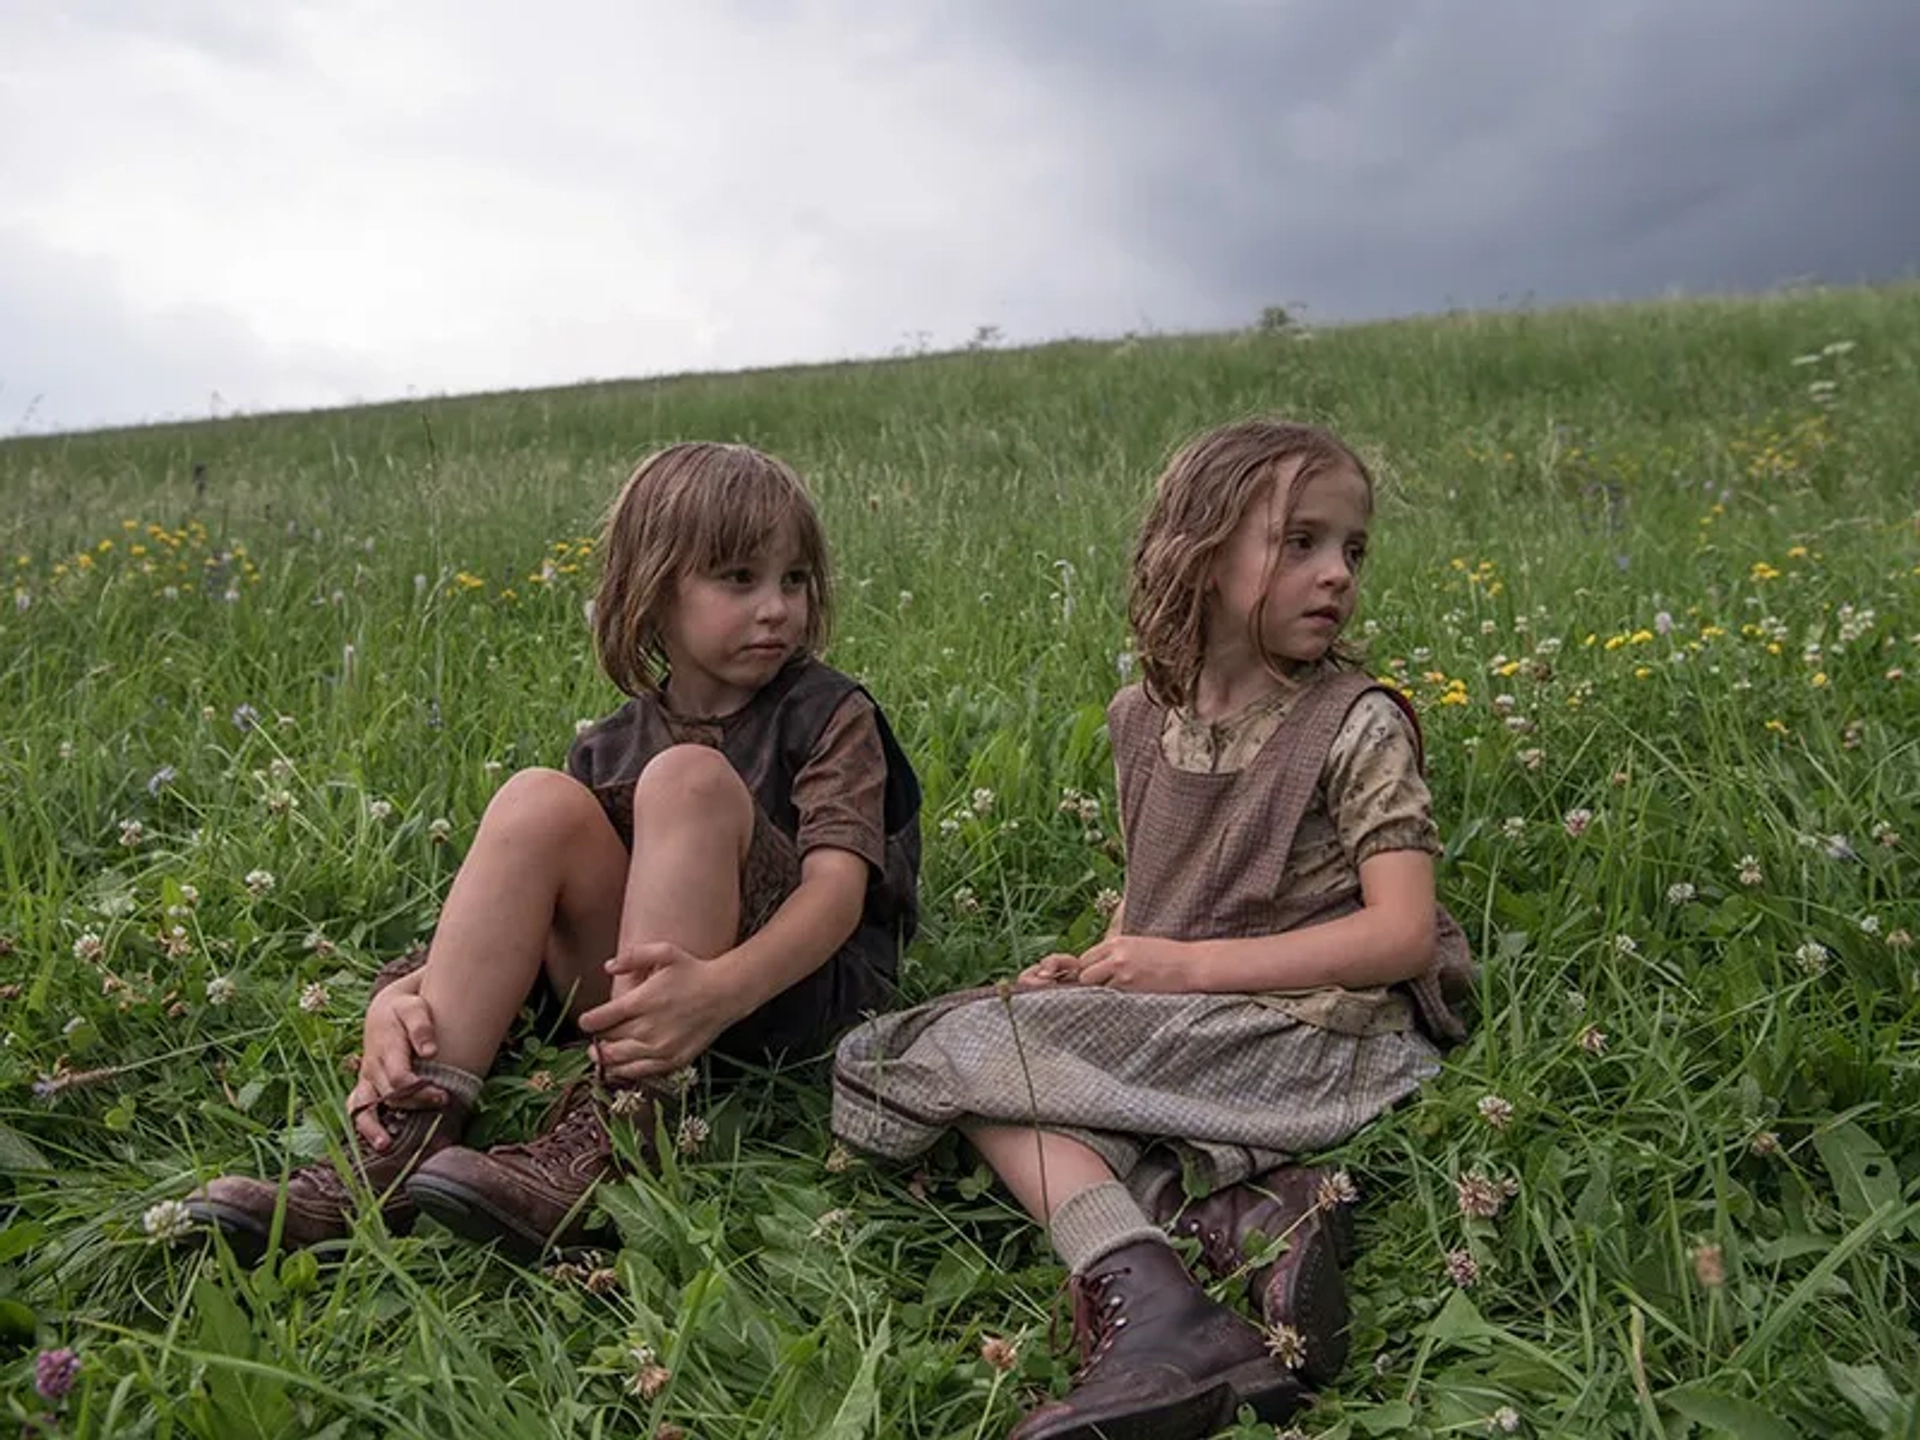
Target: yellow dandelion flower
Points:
(1763, 571)
(1819, 679)
(1614, 642)
(1778, 727)
(1641, 672)
(1798, 552)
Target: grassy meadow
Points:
(1652, 574)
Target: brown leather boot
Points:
(1303, 1289)
(531, 1197)
(320, 1200)
(1159, 1359)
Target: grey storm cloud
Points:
(302, 204)
(1379, 158)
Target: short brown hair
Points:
(1198, 502)
(689, 508)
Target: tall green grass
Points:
(1650, 573)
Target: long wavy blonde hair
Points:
(1200, 499)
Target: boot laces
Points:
(1096, 1317)
(577, 1133)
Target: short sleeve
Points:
(1376, 796)
(840, 793)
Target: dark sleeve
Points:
(840, 793)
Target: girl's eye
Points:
(1299, 543)
(737, 575)
(1356, 556)
(795, 579)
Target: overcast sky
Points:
(290, 204)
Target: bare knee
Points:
(542, 806)
(692, 783)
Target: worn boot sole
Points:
(472, 1216)
(1274, 1392)
(1188, 1416)
(1315, 1304)
(246, 1237)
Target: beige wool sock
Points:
(1091, 1224)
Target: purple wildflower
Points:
(54, 1372)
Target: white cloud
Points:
(464, 196)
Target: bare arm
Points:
(813, 922)
(1389, 939)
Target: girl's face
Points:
(1297, 571)
(731, 628)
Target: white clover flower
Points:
(167, 1221)
(1625, 944)
(1750, 872)
(89, 947)
(132, 832)
(1107, 901)
(259, 882)
(189, 895)
(831, 1224)
(982, 800)
(1869, 924)
(379, 809)
(221, 990)
(280, 769)
(1576, 821)
(1462, 1269)
(1505, 1420)
(1812, 957)
(1680, 892)
(693, 1133)
(64, 750)
(440, 831)
(1496, 1110)
(314, 998)
(965, 901)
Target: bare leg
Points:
(1040, 1167)
(692, 822)
(542, 885)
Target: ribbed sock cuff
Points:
(1091, 1224)
(462, 1085)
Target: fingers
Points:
(1100, 972)
(637, 1060)
(366, 1124)
(417, 1022)
(618, 1011)
(645, 958)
